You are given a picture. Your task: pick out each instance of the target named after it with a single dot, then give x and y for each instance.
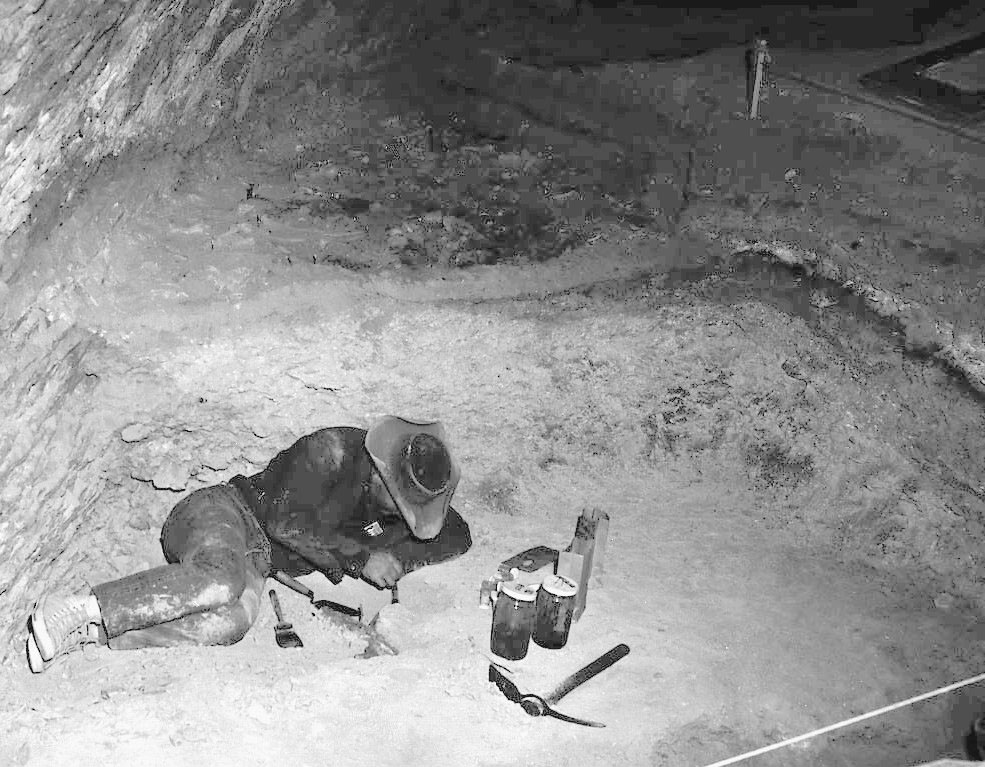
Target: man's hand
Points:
(382, 569)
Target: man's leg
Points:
(222, 625)
(215, 549)
(205, 541)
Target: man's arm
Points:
(342, 556)
(453, 541)
(310, 493)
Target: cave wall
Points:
(83, 80)
(51, 458)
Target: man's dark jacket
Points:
(312, 501)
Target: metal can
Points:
(489, 590)
(512, 621)
(554, 610)
(486, 591)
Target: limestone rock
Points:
(257, 455)
(216, 458)
(135, 432)
(397, 625)
(171, 476)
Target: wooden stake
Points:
(585, 555)
(762, 58)
(601, 538)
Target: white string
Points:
(847, 722)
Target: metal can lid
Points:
(519, 592)
(560, 586)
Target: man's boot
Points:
(60, 624)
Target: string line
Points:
(848, 722)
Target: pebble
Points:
(522, 161)
(217, 458)
(171, 476)
(257, 455)
(141, 519)
(434, 217)
(944, 601)
(135, 432)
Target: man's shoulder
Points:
(337, 436)
(335, 446)
(343, 433)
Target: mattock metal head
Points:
(533, 705)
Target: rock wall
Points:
(83, 80)
(72, 497)
(51, 458)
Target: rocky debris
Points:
(519, 162)
(406, 242)
(136, 432)
(439, 239)
(171, 476)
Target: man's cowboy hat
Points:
(417, 468)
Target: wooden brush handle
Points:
(581, 676)
(276, 603)
(294, 585)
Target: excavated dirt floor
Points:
(795, 487)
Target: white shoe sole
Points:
(42, 638)
(34, 659)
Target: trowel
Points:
(375, 643)
(319, 604)
(283, 632)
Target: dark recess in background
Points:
(829, 24)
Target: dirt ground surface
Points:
(796, 487)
